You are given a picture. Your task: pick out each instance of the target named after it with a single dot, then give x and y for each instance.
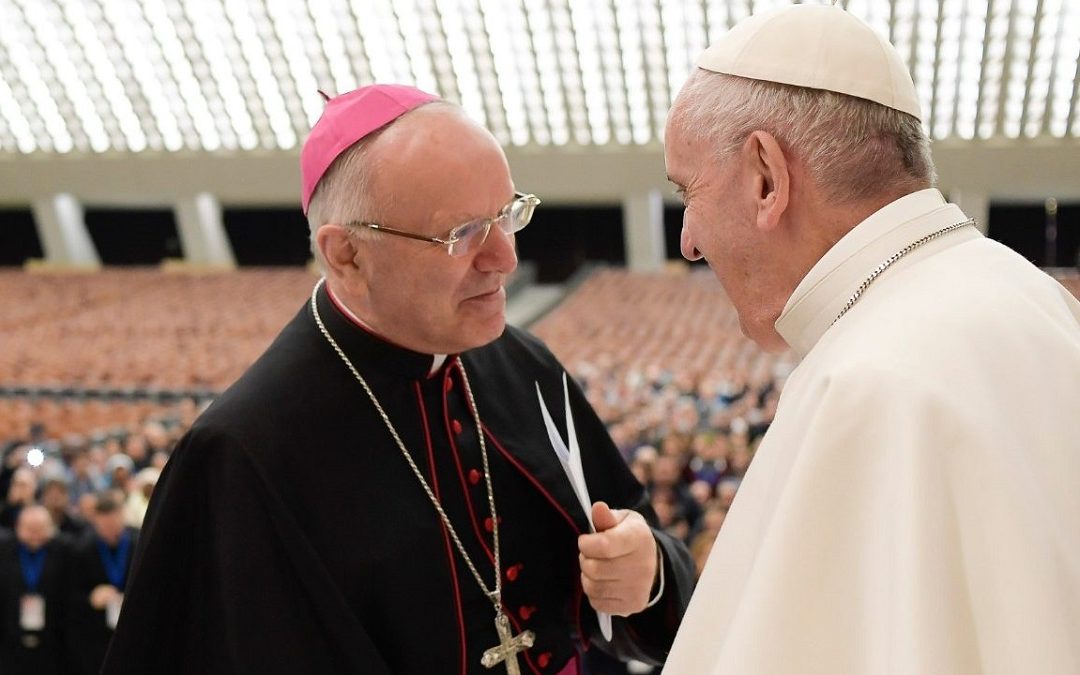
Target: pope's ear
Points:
(770, 178)
(338, 249)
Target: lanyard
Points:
(33, 564)
(115, 564)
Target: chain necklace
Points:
(509, 645)
(888, 262)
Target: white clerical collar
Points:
(437, 360)
(822, 293)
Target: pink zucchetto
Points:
(347, 119)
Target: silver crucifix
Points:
(509, 646)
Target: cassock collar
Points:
(822, 293)
(368, 350)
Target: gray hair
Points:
(343, 194)
(852, 148)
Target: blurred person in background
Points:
(84, 478)
(33, 583)
(913, 506)
(97, 579)
(668, 482)
(139, 497)
(56, 498)
(118, 471)
(21, 492)
(353, 504)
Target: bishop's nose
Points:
(498, 253)
(687, 248)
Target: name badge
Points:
(32, 612)
(112, 611)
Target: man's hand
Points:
(618, 563)
(102, 595)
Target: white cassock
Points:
(915, 507)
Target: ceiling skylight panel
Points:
(280, 132)
(717, 15)
(570, 73)
(142, 53)
(1066, 69)
(685, 37)
(106, 89)
(211, 76)
(1022, 27)
(189, 69)
(54, 34)
(973, 27)
(874, 12)
(354, 44)
(948, 52)
(1042, 58)
(457, 26)
(57, 123)
(547, 65)
(226, 85)
(508, 71)
(737, 11)
(485, 93)
(121, 89)
(378, 32)
(327, 27)
(656, 72)
(281, 66)
(175, 68)
(637, 100)
(412, 29)
(592, 77)
(294, 31)
(522, 34)
(924, 54)
(993, 74)
(614, 80)
(47, 125)
(16, 127)
(903, 34)
(435, 45)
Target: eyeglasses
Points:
(470, 236)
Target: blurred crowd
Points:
(660, 356)
(69, 520)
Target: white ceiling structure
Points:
(99, 76)
(173, 79)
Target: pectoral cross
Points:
(509, 646)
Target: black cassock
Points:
(288, 533)
(33, 651)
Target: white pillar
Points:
(643, 226)
(63, 233)
(202, 231)
(975, 204)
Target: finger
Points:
(604, 517)
(603, 546)
(600, 570)
(601, 591)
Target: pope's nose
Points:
(689, 251)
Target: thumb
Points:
(604, 518)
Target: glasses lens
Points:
(521, 212)
(469, 237)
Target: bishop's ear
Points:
(770, 177)
(338, 250)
